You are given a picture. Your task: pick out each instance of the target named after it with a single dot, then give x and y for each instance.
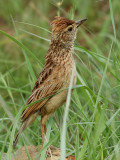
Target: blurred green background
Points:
(94, 121)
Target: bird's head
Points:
(64, 30)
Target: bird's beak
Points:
(80, 22)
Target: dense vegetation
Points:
(93, 123)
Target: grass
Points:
(88, 127)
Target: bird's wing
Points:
(47, 84)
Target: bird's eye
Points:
(70, 29)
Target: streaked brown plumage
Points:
(55, 75)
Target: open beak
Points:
(80, 22)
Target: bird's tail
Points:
(18, 134)
(25, 124)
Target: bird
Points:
(50, 87)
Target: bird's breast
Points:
(68, 70)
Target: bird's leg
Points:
(43, 128)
